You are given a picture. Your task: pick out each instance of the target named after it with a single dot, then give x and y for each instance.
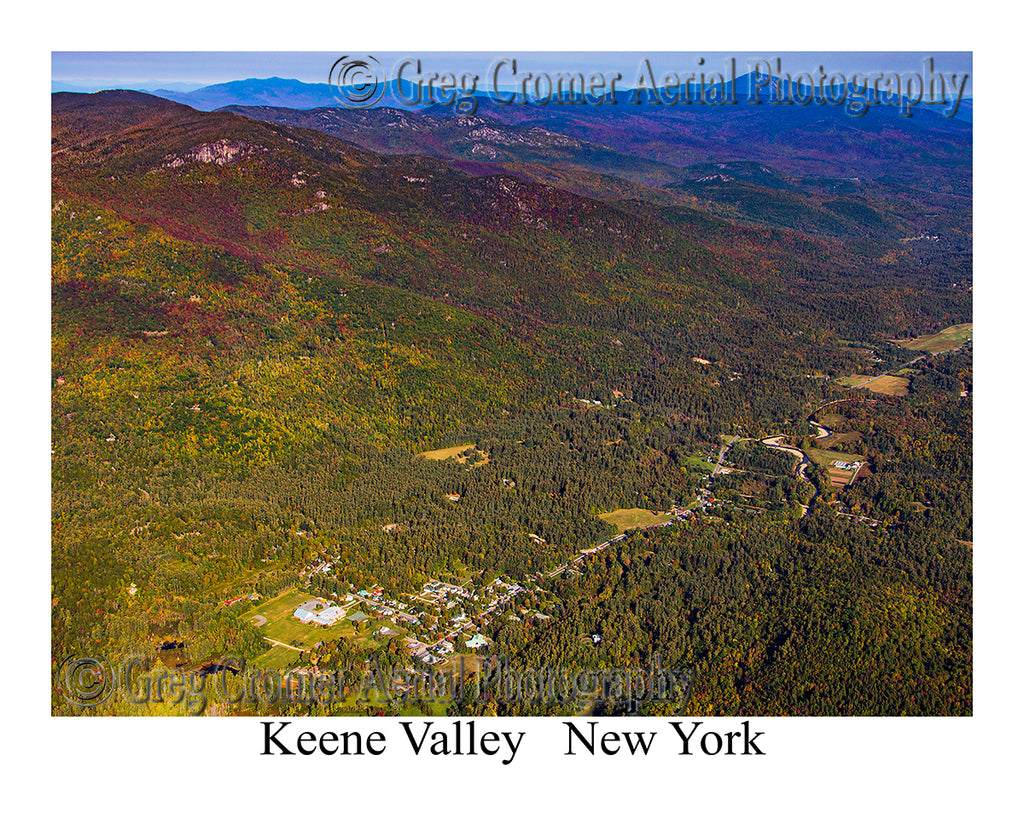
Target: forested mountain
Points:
(842, 177)
(257, 327)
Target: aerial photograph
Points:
(511, 384)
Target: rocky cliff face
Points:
(222, 152)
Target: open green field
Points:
(278, 658)
(831, 420)
(470, 664)
(846, 438)
(941, 342)
(625, 519)
(699, 464)
(826, 456)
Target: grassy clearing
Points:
(941, 342)
(825, 456)
(853, 380)
(279, 658)
(451, 452)
(460, 453)
(883, 384)
(845, 438)
(470, 663)
(889, 385)
(625, 519)
(699, 464)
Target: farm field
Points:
(882, 384)
(889, 385)
(943, 341)
(827, 457)
(844, 438)
(626, 519)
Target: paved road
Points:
(860, 518)
(586, 553)
(883, 375)
(865, 383)
(721, 454)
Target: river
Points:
(772, 442)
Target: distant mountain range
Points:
(273, 91)
(809, 140)
(290, 93)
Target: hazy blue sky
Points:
(93, 71)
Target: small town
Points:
(431, 622)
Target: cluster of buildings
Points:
(432, 629)
(443, 597)
(436, 652)
(446, 595)
(319, 612)
(448, 631)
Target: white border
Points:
(836, 767)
